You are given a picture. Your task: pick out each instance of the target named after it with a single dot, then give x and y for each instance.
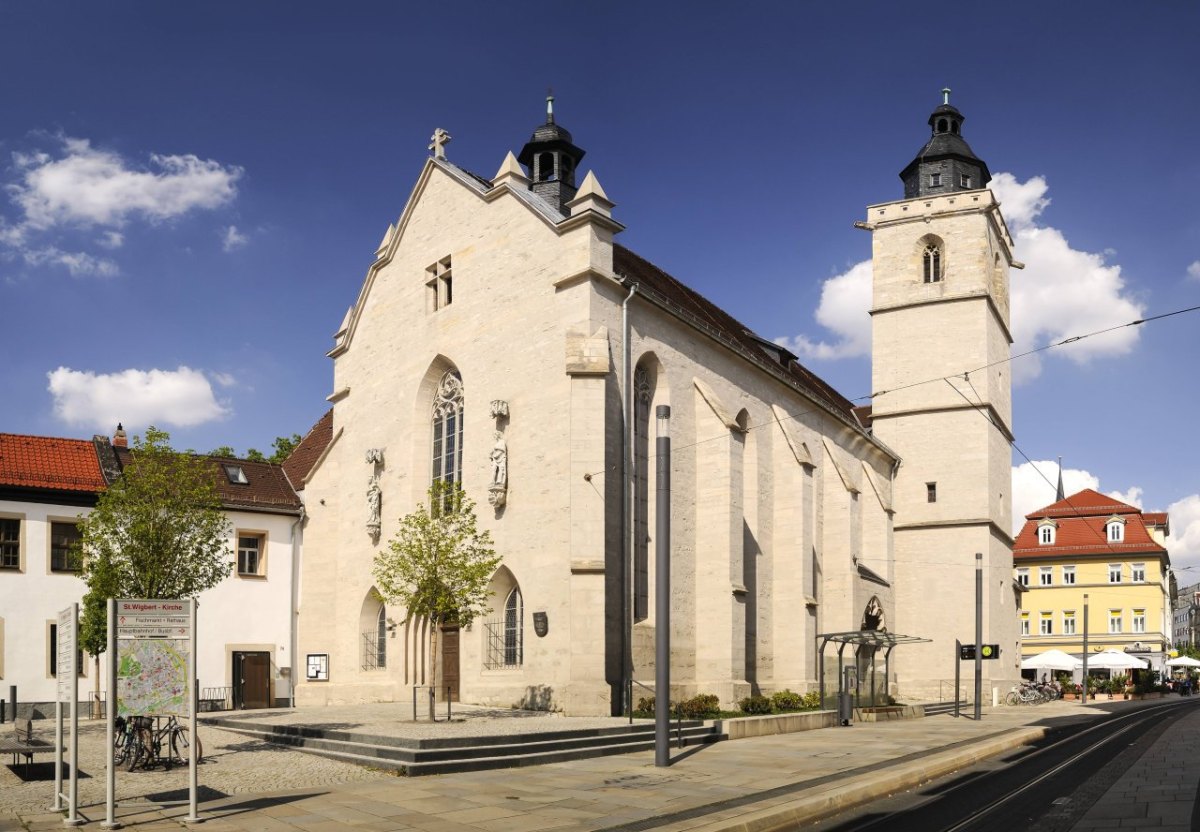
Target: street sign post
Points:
(66, 673)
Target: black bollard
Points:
(12, 697)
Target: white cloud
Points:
(112, 239)
(181, 397)
(232, 239)
(76, 262)
(1194, 270)
(845, 300)
(223, 379)
(1061, 292)
(1035, 485)
(1131, 496)
(87, 186)
(1184, 542)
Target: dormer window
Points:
(964, 179)
(235, 474)
(1116, 530)
(935, 180)
(1047, 530)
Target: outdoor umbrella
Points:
(1115, 660)
(1183, 661)
(1053, 660)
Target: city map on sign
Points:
(152, 677)
(153, 652)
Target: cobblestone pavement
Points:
(251, 786)
(232, 765)
(1159, 791)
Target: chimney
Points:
(119, 440)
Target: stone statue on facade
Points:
(497, 491)
(374, 501)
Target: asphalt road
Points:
(1042, 788)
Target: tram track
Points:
(1003, 794)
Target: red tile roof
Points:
(1081, 520)
(304, 456)
(49, 462)
(1085, 502)
(266, 488)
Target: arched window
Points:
(514, 630)
(381, 631)
(932, 261)
(545, 171)
(448, 429)
(1116, 530)
(643, 391)
(941, 125)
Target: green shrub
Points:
(645, 705)
(812, 700)
(786, 700)
(755, 705)
(701, 706)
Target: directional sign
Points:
(966, 652)
(65, 659)
(153, 619)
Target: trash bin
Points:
(845, 707)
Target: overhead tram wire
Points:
(867, 397)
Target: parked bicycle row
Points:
(147, 741)
(1033, 693)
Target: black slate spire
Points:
(946, 163)
(552, 160)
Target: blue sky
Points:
(193, 193)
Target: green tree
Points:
(439, 564)
(157, 532)
(223, 450)
(284, 445)
(255, 455)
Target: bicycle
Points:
(141, 743)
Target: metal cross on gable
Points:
(439, 140)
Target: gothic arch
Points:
(374, 628)
(873, 615)
(504, 634)
(423, 426)
(647, 394)
(930, 257)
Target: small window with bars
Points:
(64, 547)
(10, 543)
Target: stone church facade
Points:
(499, 338)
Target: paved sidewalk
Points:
(1159, 791)
(751, 784)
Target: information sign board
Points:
(65, 658)
(153, 651)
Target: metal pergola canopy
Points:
(859, 638)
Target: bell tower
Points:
(552, 159)
(943, 401)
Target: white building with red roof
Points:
(245, 624)
(1091, 549)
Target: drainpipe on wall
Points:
(627, 498)
(293, 635)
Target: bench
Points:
(24, 743)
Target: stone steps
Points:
(444, 755)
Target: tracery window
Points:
(381, 630)
(448, 429)
(932, 261)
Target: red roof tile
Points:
(49, 462)
(266, 488)
(1081, 520)
(1085, 502)
(304, 456)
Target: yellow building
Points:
(1091, 551)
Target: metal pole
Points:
(662, 588)
(110, 715)
(1084, 680)
(192, 817)
(72, 818)
(978, 634)
(957, 673)
(628, 495)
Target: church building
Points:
(503, 339)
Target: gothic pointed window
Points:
(381, 630)
(514, 631)
(642, 394)
(932, 262)
(448, 429)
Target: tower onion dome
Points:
(946, 163)
(552, 158)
